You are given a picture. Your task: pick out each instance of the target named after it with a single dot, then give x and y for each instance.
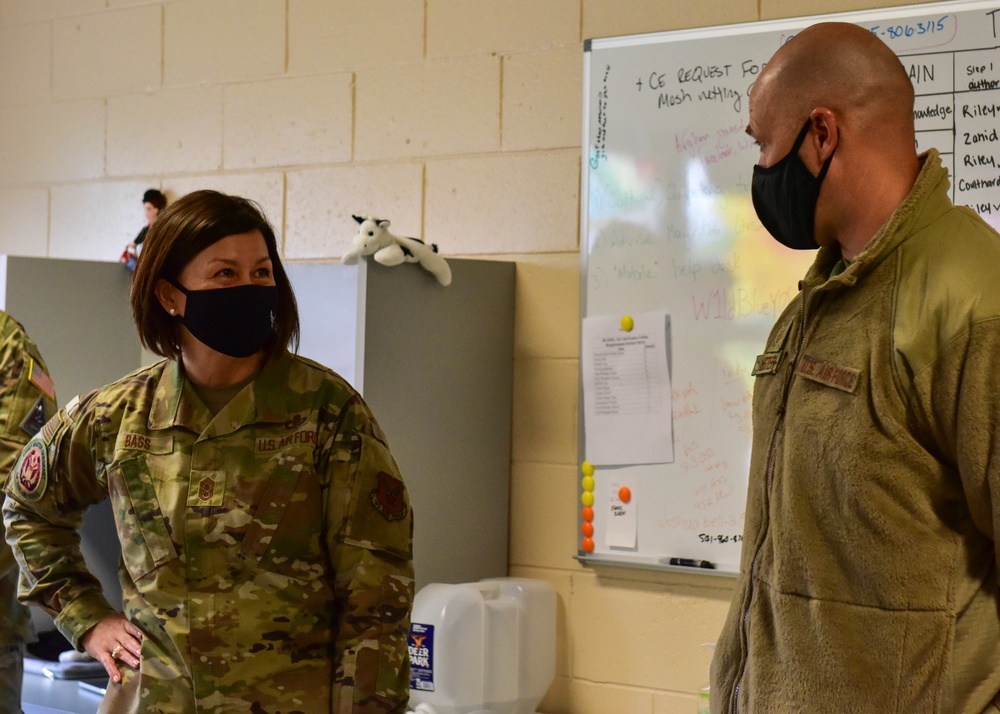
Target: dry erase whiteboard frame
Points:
(638, 563)
(776, 25)
(592, 46)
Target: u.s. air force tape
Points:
(31, 473)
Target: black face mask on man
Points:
(784, 196)
(234, 321)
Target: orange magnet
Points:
(587, 514)
(587, 545)
(624, 494)
(587, 529)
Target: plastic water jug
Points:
(482, 648)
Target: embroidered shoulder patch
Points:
(34, 420)
(387, 497)
(37, 376)
(31, 472)
(829, 374)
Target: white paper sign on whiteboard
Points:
(626, 391)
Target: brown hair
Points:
(155, 198)
(179, 233)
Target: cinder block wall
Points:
(458, 120)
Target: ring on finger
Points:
(116, 651)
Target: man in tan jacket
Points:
(868, 579)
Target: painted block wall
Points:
(458, 120)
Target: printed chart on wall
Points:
(681, 282)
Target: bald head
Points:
(843, 67)
(849, 99)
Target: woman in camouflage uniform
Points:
(266, 532)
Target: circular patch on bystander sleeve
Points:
(31, 473)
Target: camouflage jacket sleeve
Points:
(27, 394)
(53, 481)
(370, 541)
(27, 399)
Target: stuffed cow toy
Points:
(374, 239)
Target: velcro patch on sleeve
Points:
(34, 420)
(380, 514)
(38, 377)
(30, 476)
(389, 497)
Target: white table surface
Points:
(41, 695)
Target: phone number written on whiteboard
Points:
(922, 27)
(916, 28)
(707, 538)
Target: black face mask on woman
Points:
(784, 196)
(234, 321)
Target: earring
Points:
(173, 311)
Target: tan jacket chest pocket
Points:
(142, 528)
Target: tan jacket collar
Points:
(927, 200)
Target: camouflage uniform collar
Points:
(176, 403)
(271, 389)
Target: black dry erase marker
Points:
(692, 563)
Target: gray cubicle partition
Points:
(435, 364)
(78, 313)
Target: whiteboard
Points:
(667, 224)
